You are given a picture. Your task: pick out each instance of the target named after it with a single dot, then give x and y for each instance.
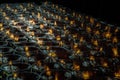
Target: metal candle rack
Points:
(51, 42)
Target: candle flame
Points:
(55, 23)
(66, 18)
(41, 26)
(15, 75)
(86, 75)
(95, 42)
(71, 22)
(107, 34)
(1, 24)
(115, 40)
(105, 64)
(26, 48)
(88, 29)
(92, 58)
(117, 74)
(56, 76)
(62, 61)
(27, 54)
(10, 62)
(52, 54)
(115, 51)
(92, 20)
(81, 39)
(76, 67)
(58, 38)
(39, 63)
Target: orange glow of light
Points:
(39, 63)
(48, 71)
(95, 42)
(8, 32)
(92, 20)
(1, 24)
(92, 58)
(97, 32)
(86, 75)
(27, 54)
(38, 15)
(116, 30)
(16, 38)
(115, 51)
(55, 23)
(52, 54)
(10, 62)
(78, 51)
(81, 39)
(76, 67)
(41, 26)
(40, 42)
(26, 48)
(66, 18)
(12, 36)
(71, 22)
(62, 61)
(56, 76)
(117, 74)
(28, 29)
(50, 31)
(115, 40)
(101, 49)
(105, 64)
(88, 29)
(108, 35)
(15, 75)
(58, 38)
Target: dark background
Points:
(107, 11)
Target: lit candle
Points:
(52, 54)
(55, 23)
(108, 34)
(41, 26)
(95, 42)
(38, 15)
(58, 38)
(92, 58)
(10, 65)
(115, 51)
(26, 48)
(71, 22)
(15, 75)
(40, 42)
(48, 71)
(76, 67)
(28, 29)
(81, 39)
(8, 32)
(117, 74)
(114, 40)
(105, 64)
(39, 63)
(86, 75)
(1, 24)
(66, 18)
(16, 38)
(50, 31)
(88, 29)
(92, 20)
(12, 36)
(56, 76)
